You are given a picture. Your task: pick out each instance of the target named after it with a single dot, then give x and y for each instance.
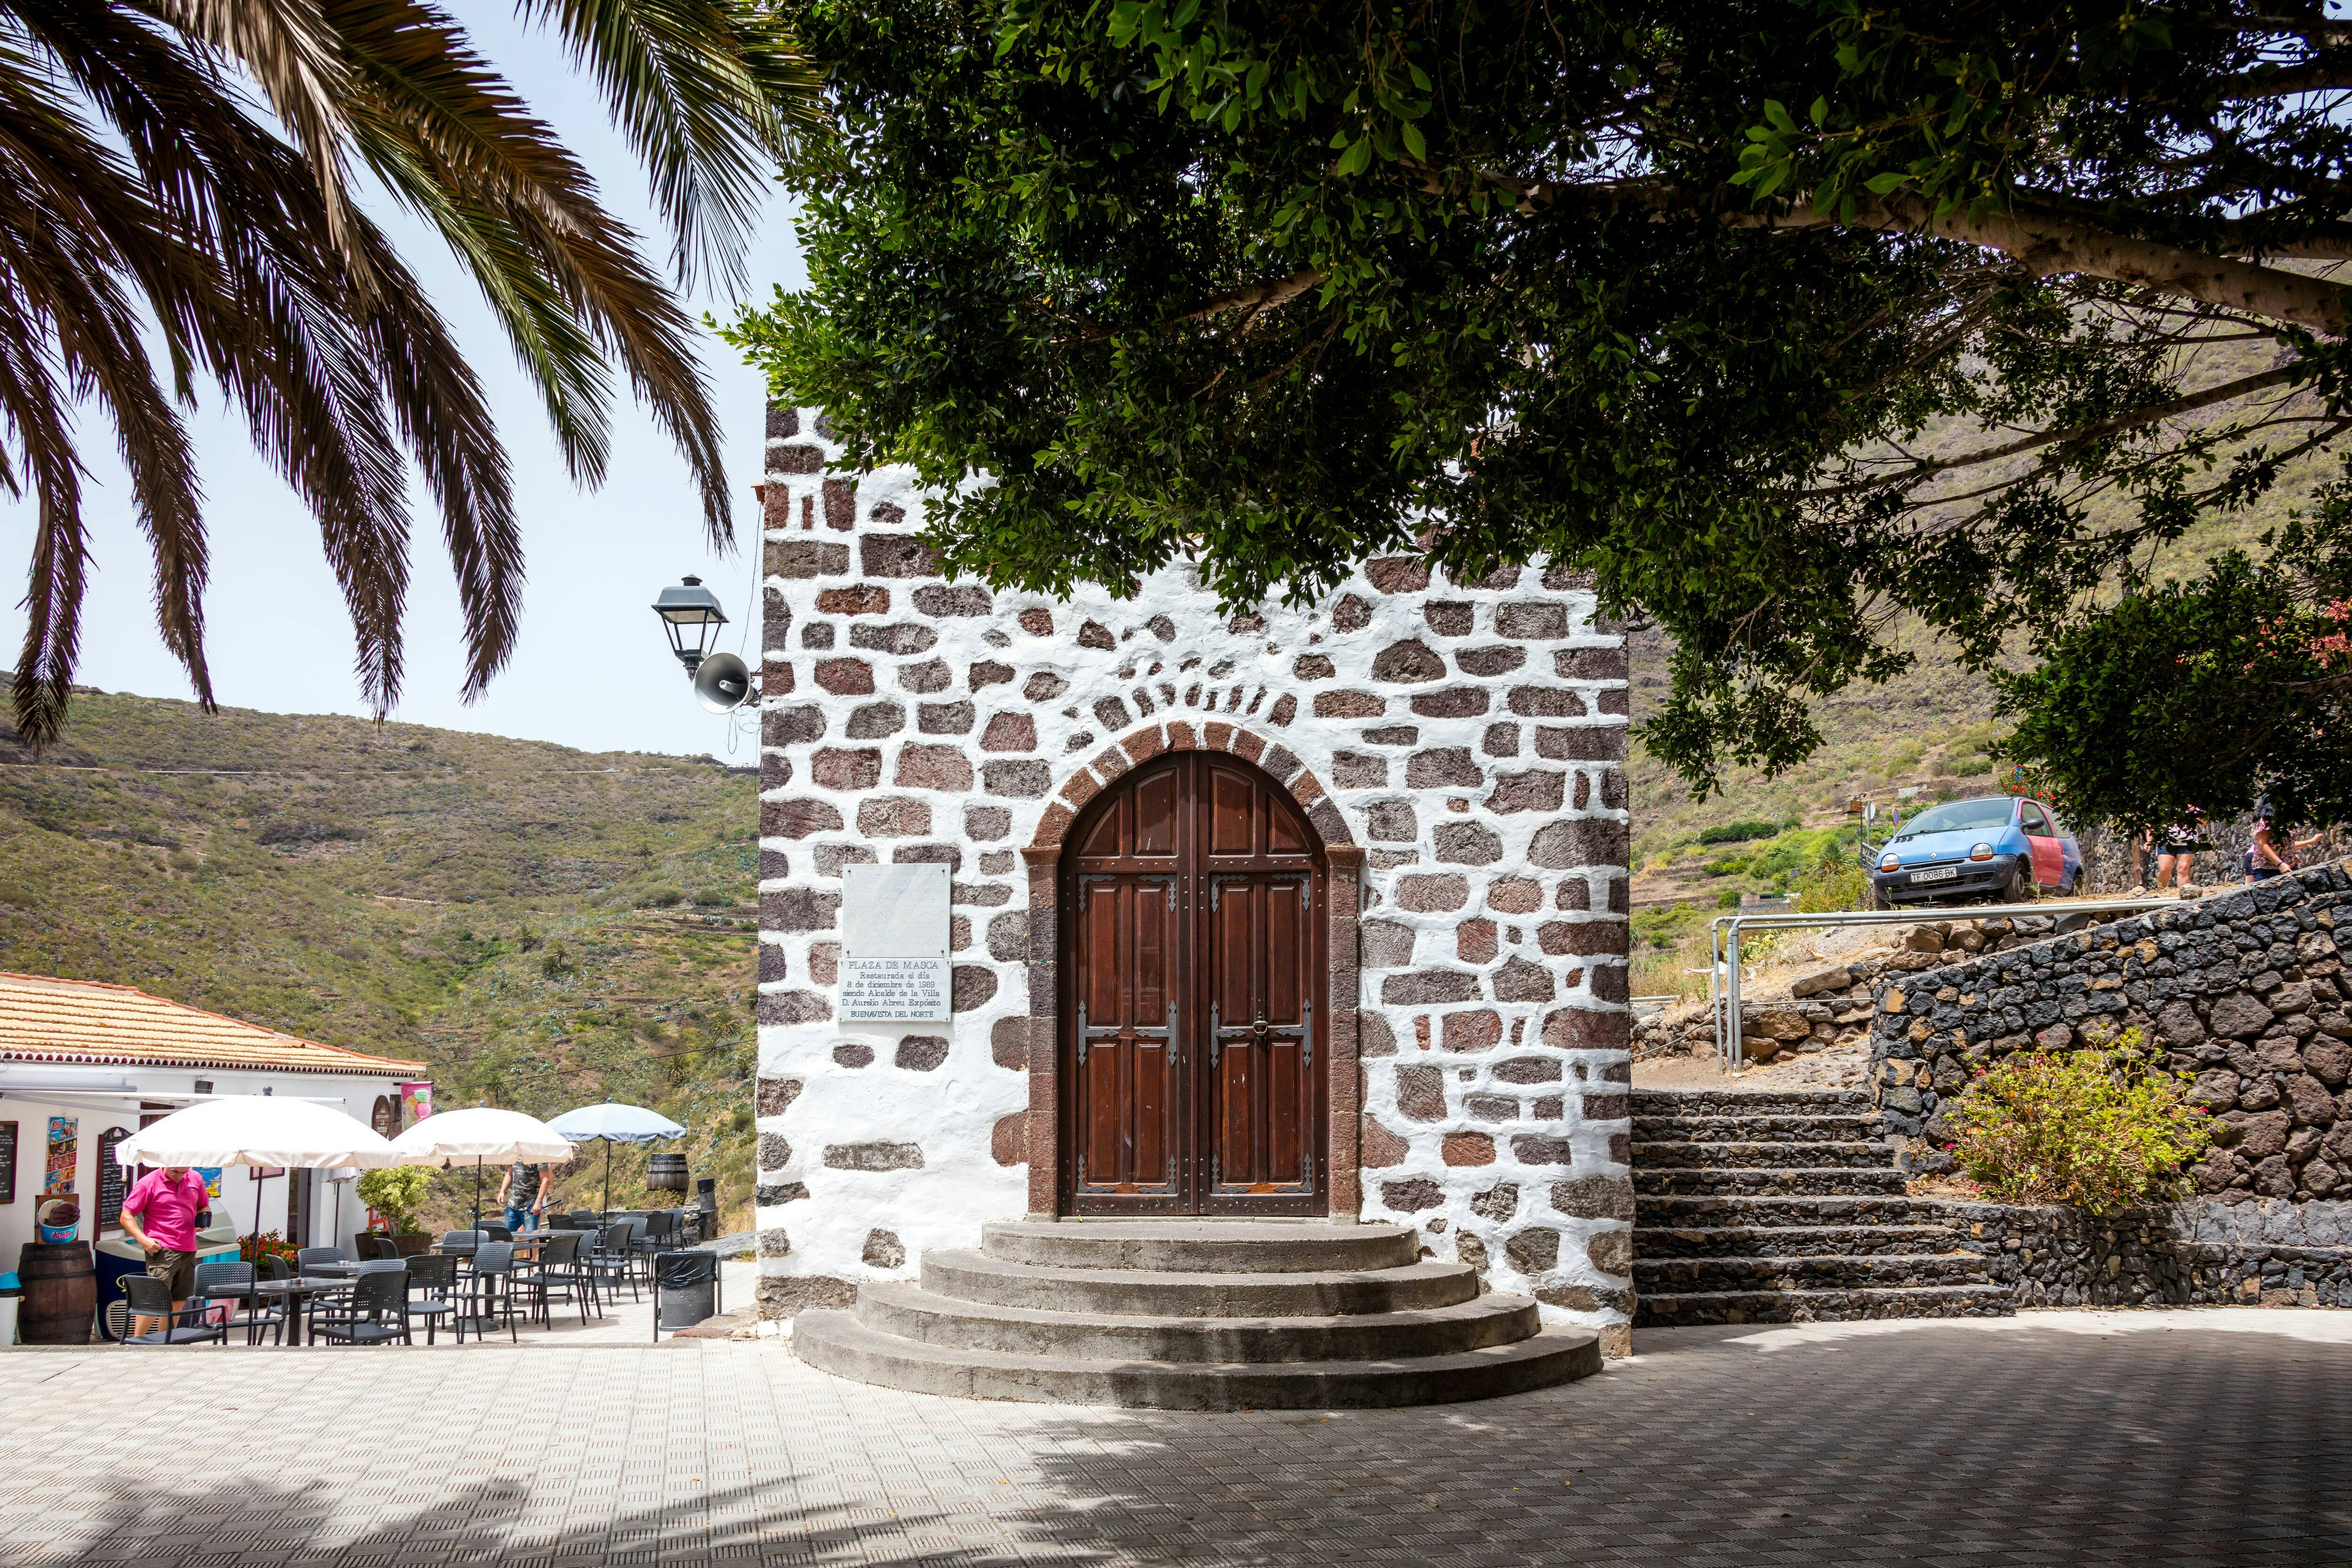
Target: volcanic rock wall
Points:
(2244, 989)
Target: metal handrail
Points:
(1723, 943)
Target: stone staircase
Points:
(1196, 1315)
(1780, 1208)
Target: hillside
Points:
(545, 926)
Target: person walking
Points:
(2263, 857)
(524, 1194)
(2176, 847)
(161, 1214)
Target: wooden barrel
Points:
(60, 1293)
(666, 1171)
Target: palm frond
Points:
(711, 94)
(177, 212)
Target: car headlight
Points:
(1890, 861)
(1980, 851)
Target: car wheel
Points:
(2016, 887)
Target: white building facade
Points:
(1344, 889)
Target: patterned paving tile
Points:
(2170, 1438)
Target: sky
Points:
(592, 669)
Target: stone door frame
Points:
(1344, 860)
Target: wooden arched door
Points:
(1193, 1012)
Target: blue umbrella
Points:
(614, 1124)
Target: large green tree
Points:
(1788, 317)
(181, 204)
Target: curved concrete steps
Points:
(1195, 1316)
(839, 1343)
(913, 1313)
(976, 1277)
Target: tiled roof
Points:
(43, 1019)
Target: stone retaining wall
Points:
(1458, 746)
(2242, 989)
(2205, 1253)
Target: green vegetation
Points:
(397, 1193)
(1829, 335)
(483, 915)
(1736, 832)
(2102, 1129)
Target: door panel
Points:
(1195, 968)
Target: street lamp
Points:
(691, 615)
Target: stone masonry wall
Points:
(2201, 1253)
(1458, 747)
(2244, 989)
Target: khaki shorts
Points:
(176, 1270)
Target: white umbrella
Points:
(614, 1124)
(480, 1133)
(258, 1130)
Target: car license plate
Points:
(1936, 874)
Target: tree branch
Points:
(2188, 403)
(1264, 296)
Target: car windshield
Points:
(1958, 816)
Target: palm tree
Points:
(177, 206)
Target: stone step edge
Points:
(1858, 1263)
(1856, 1145)
(1237, 1246)
(906, 1295)
(1696, 1233)
(1873, 1295)
(1429, 1274)
(1552, 1356)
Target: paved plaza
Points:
(2089, 1437)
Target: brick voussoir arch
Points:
(1186, 735)
(1036, 1138)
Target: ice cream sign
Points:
(894, 945)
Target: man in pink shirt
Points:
(161, 1214)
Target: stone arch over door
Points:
(1343, 860)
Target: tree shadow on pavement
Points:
(1937, 1444)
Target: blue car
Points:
(1996, 846)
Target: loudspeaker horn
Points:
(723, 684)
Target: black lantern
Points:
(691, 615)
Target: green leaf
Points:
(1357, 158)
(1820, 110)
(1414, 142)
(1885, 184)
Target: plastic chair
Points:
(641, 1248)
(461, 1243)
(610, 1262)
(433, 1289)
(561, 1268)
(497, 1233)
(228, 1287)
(375, 1314)
(489, 1292)
(152, 1298)
(307, 1258)
(376, 1248)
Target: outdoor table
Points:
(297, 1292)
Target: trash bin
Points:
(11, 1292)
(686, 1289)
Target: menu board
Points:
(7, 1162)
(111, 1188)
